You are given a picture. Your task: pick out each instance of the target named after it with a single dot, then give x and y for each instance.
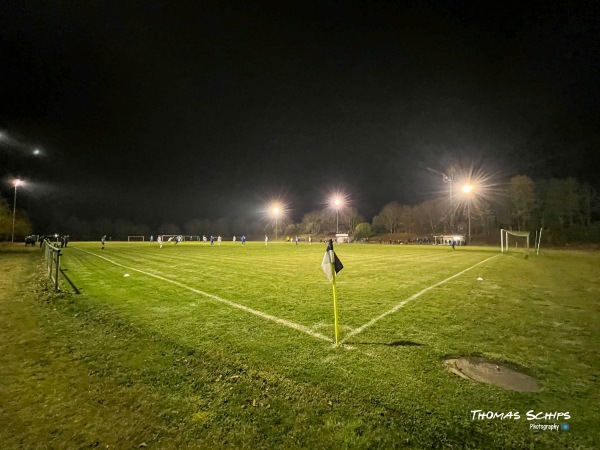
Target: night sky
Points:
(167, 111)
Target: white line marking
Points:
(261, 314)
(412, 297)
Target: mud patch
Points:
(485, 371)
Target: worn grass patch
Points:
(151, 360)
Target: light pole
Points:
(276, 212)
(467, 190)
(17, 183)
(337, 202)
(450, 180)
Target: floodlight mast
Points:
(337, 202)
(450, 180)
(17, 183)
(467, 189)
(276, 213)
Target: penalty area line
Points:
(255, 312)
(409, 299)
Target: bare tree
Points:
(312, 222)
(522, 195)
(391, 216)
(350, 217)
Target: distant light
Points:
(467, 188)
(36, 151)
(276, 210)
(18, 182)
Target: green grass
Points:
(149, 359)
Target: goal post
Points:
(516, 237)
(135, 238)
(538, 241)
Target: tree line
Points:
(568, 211)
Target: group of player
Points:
(218, 239)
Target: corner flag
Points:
(330, 264)
(329, 259)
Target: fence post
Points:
(57, 270)
(51, 257)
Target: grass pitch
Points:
(230, 346)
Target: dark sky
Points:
(166, 111)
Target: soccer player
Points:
(266, 240)
(219, 240)
(103, 240)
(234, 239)
(159, 240)
(243, 239)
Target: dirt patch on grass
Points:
(485, 371)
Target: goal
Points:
(135, 238)
(518, 239)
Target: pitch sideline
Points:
(404, 302)
(261, 314)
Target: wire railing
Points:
(52, 258)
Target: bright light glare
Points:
(467, 188)
(337, 200)
(275, 210)
(18, 182)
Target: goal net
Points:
(513, 240)
(135, 238)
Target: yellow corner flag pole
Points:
(335, 311)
